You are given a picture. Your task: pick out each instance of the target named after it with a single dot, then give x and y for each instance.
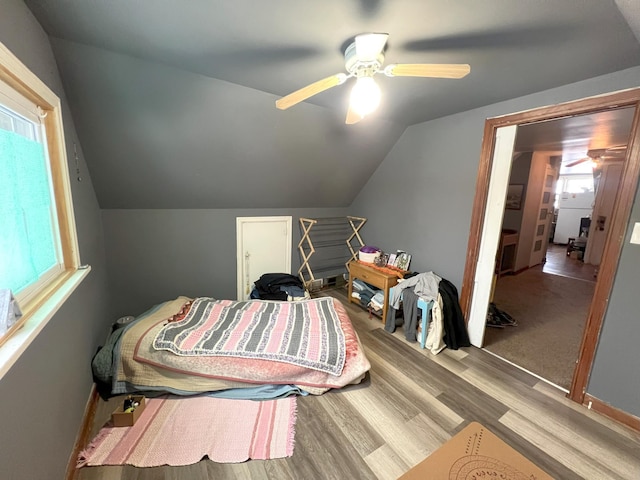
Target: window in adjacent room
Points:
(38, 246)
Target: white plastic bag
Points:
(9, 310)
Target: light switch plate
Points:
(635, 235)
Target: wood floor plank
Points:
(470, 402)
(579, 461)
(426, 374)
(430, 433)
(422, 399)
(531, 403)
(351, 423)
(277, 468)
(382, 387)
(481, 358)
(560, 421)
(390, 427)
(619, 429)
(329, 454)
(386, 463)
(449, 359)
(106, 473)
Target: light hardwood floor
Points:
(559, 263)
(410, 404)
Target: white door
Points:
(263, 246)
(494, 211)
(544, 217)
(603, 209)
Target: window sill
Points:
(36, 320)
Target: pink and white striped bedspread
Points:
(306, 333)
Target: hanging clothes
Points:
(410, 314)
(447, 327)
(435, 331)
(455, 328)
(425, 285)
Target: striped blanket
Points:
(305, 333)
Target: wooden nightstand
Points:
(377, 278)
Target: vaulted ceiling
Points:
(174, 102)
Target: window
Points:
(575, 184)
(29, 239)
(39, 261)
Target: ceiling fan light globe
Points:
(365, 96)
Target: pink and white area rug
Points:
(182, 430)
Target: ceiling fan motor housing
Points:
(357, 67)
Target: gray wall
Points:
(43, 396)
(156, 255)
(615, 377)
(421, 197)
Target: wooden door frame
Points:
(620, 216)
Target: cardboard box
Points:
(122, 419)
(475, 452)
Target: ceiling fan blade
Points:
(352, 117)
(436, 70)
(578, 162)
(617, 148)
(614, 154)
(310, 90)
(370, 45)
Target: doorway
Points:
(541, 303)
(482, 234)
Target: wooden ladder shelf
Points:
(307, 248)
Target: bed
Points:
(255, 349)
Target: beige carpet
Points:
(551, 312)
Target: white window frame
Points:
(39, 306)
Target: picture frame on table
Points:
(382, 260)
(391, 261)
(403, 260)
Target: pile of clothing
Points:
(279, 286)
(447, 327)
(499, 318)
(368, 295)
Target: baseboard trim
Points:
(619, 416)
(83, 437)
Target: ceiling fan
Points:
(363, 59)
(599, 155)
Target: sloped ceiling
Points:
(174, 101)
